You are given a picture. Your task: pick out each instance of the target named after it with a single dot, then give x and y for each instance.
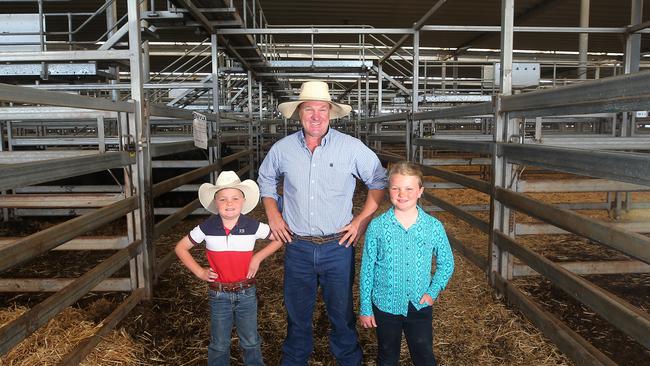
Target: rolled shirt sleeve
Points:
(369, 168)
(269, 175)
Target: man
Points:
(318, 166)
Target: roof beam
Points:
(416, 26)
(524, 15)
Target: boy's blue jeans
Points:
(330, 266)
(238, 308)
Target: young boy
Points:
(229, 239)
(397, 290)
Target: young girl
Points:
(397, 290)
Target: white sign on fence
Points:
(200, 130)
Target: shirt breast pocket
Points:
(336, 179)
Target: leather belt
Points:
(319, 239)
(232, 286)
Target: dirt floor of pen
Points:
(471, 327)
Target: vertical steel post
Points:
(5, 211)
(142, 171)
(214, 152)
(101, 139)
(259, 137)
(414, 95)
(357, 120)
(583, 43)
(379, 90)
(251, 172)
(500, 261)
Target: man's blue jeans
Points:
(238, 308)
(331, 266)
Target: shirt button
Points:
(314, 165)
(311, 213)
(312, 197)
(312, 181)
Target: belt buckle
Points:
(232, 287)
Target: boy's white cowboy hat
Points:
(229, 179)
(314, 91)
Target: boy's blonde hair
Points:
(405, 168)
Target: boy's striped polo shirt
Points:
(229, 254)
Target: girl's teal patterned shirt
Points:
(396, 263)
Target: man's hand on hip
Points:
(279, 228)
(353, 231)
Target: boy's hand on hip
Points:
(207, 274)
(253, 267)
(427, 299)
(368, 321)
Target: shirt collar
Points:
(393, 218)
(222, 227)
(324, 140)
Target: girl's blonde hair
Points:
(405, 168)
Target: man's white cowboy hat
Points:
(314, 91)
(229, 179)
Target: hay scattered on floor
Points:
(49, 344)
(472, 328)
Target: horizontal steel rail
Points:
(21, 94)
(60, 200)
(80, 243)
(177, 181)
(468, 110)
(389, 118)
(39, 112)
(581, 185)
(458, 212)
(161, 110)
(469, 253)
(477, 184)
(173, 219)
(315, 30)
(390, 139)
(627, 92)
(469, 146)
(169, 148)
(618, 166)
(568, 341)
(42, 241)
(56, 284)
(53, 56)
(618, 312)
(590, 267)
(233, 157)
(26, 174)
(20, 328)
(629, 243)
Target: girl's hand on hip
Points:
(368, 321)
(426, 298)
